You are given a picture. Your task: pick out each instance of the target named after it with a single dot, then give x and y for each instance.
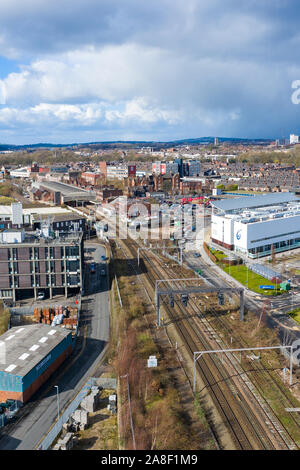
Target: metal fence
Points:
(21, 310)
(264, 271)
(108, 383)
(56, 429)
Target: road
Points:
(254, 302)
(35, 418)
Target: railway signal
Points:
(220, 298)
(185, 291)
(184, 299)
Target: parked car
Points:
(103, 257)
(197, 255)
(41, 295)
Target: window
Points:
(72, 251)
(6, 293)
(269, 238)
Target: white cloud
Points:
(2, 93)
(140, 110)
(111, 73)
(135, 111)
(164, 67)
(48, 113)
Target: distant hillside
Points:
(138, 143)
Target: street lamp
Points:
(57, 397)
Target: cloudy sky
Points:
(94, 70)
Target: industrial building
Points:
(28, 356)
(31, 264)
(61, 193)
(255, 226)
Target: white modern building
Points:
(20, 173)
(118, 172)
(256, 225)
(294, 139)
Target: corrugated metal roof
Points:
(62, 187)
(25, 347)
(255, 201)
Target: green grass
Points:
(295, 314)
(218, 254)
(239, 272)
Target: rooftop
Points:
(68, 191)
(7, 210)
(25, 347)
(58, 217)
(33, 239)
(255, 201)
(61, 187)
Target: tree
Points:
(232, 187)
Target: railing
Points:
(45, 444)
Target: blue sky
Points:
(94, 70)
(8, 66)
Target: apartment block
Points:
(31, 264)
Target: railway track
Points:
(238, 416)
(263, 378)
(260, 374)
(258, 369)
(245, 429)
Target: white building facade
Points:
(255, 226)
(294, 139)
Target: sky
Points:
(100, 70)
